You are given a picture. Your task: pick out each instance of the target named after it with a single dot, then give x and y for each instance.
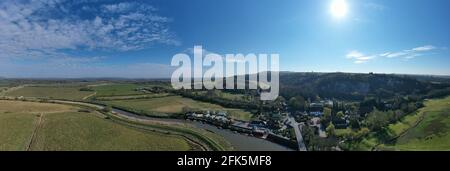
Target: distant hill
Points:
(431, 78)
(350, 86)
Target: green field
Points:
(128, 97)
(432, 131)
(167, 106)
(117, 90)
(223, 95)
(42, 126)
(83, 131)
(15, 130)
(427, 129)
(54, 92)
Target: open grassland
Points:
(44, 126)
(223, 95)
(128, 97)
(117, 90)
(429, 129)
(54, 92)
(83, 131)
(172, 105)
(426, 129)
(211, 140)
(208, 139)
(7, 106)
(16, 130)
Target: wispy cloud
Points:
(358, 57)
(407, 54)
(41, 28)
(395, 54)
(424, 48)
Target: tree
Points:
(326, 116)
(331, 130)
(354, 122)
(376, 120)
(340, 115)
(357, 135)
(297, 103)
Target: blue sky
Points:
(113, 38)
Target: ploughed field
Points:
(45, 126)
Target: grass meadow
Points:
(50, 127)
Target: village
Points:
(284, 120)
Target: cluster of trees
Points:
(213, 97)
(316, 143)
(377, 120)
(406, 104)
(438, 93)
(248, 102)
(158, 89)
(298, 103)
(355, 87)
(86, 89)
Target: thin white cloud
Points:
(354, 54)
(424, 48)
(360, 58)
(359, 62)
(396, 54)
(385, 54)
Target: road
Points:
(298, 133)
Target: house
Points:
(258, 124)
(340, 123)
(276, 116)
(222, 113)
(316, 109)
(241, 127)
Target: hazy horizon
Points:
(168, 77)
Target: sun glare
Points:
(339, 8)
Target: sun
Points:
(339, 8)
